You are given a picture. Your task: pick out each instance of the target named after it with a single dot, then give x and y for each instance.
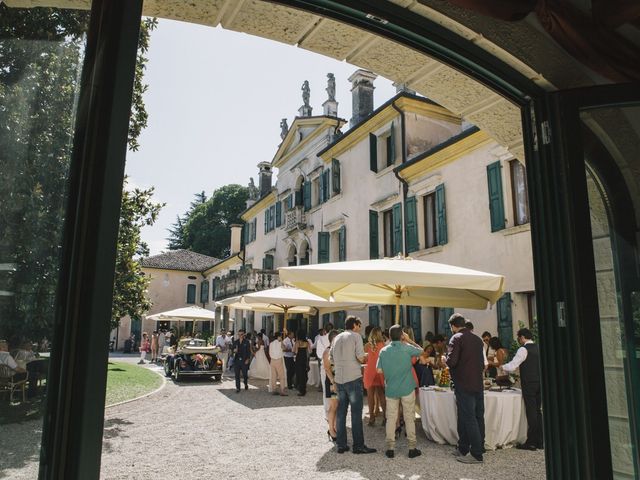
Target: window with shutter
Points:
(397, 229)
(191, 293)
(321, 198)
(254, 229)
(324, 239)
(214, 288)
(442, 316)
(519, 193)
(391, 146)
(279, 213)
(505, 320)
(342, 244)
(373, 152)
(267, 262)
(266, 220)
(374, 316)
(411, 224)
(496, 202)
(441, 215)
(307, 195)
(272, 217)
(204, 292)
(326, 186)
(326, 318)
(245, 233)
(373, 234)
(415, 322)
(335, 179)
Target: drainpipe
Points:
(405, 185)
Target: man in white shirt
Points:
(223, 345)
(289, 361)
(277, 365)
(527, 358)
(347, 355)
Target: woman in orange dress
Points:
(374, 381)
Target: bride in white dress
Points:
(260, 367)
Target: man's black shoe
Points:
(246, 387)
(526, 446)
(343, 449)
(414, 452)
(389, 453)
(237, 390)
(363, 450)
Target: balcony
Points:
(295, 218)
(245, 281)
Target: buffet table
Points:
(504, 417)
(314, 373)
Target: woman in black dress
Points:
(301, 350)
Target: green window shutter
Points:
(204, 292)
(323, 247)
(374, 247)
(411, 224)
(397, 229)
(443, 321)
(272, 217)
(326, 187)
(245, 233)
(415, 322)
(266, 220)
(278, 214)
(342, 244)
(214, 287)
(373, 152)
(326, 318)
(391, 147)
(441, 215)
(505, 320)
(191, 293)
(254, 229)
(335, 180)
(321, 187)
(496, 202)
(374, 316)
(307, 195)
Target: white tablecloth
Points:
(504, 417)
(314, 373)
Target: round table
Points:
(504, 417)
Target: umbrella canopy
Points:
(399, 281)
(287, 300)
(185, 313)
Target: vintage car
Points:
(192, 357)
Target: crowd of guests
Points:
(23, 362)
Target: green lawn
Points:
(126, 381)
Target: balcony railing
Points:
(245, 281)
(295, 218)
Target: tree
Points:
(130, 285)
(176, 231)
(206, 228)
(41, 53)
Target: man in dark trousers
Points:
(241, 359)
(465, 360)
(528, 359)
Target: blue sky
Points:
(215, 102)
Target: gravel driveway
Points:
(201, 429)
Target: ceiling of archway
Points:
(453, 90)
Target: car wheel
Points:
(176, 372)
(167, 368)
(217, 378)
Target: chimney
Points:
(362, 95)
(236, 235)
(265, 178)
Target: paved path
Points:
(202, 429)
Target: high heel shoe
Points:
(372, 420)
(333, 439)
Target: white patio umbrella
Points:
(293, 300)
(399, 281)
(194, 313)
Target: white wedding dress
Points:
(260, 367)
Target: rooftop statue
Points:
(306, 93)
(331, 87)
(253, 190)
(284, 128)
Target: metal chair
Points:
(9, 383)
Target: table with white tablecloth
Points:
(314, 373)
(504, 417)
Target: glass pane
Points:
(614, 134)
(41, 55)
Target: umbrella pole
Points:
(398, 307)
(284, 321)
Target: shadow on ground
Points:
(17, 454)
(258, 397)
(113, 428)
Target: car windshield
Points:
(193, 342)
